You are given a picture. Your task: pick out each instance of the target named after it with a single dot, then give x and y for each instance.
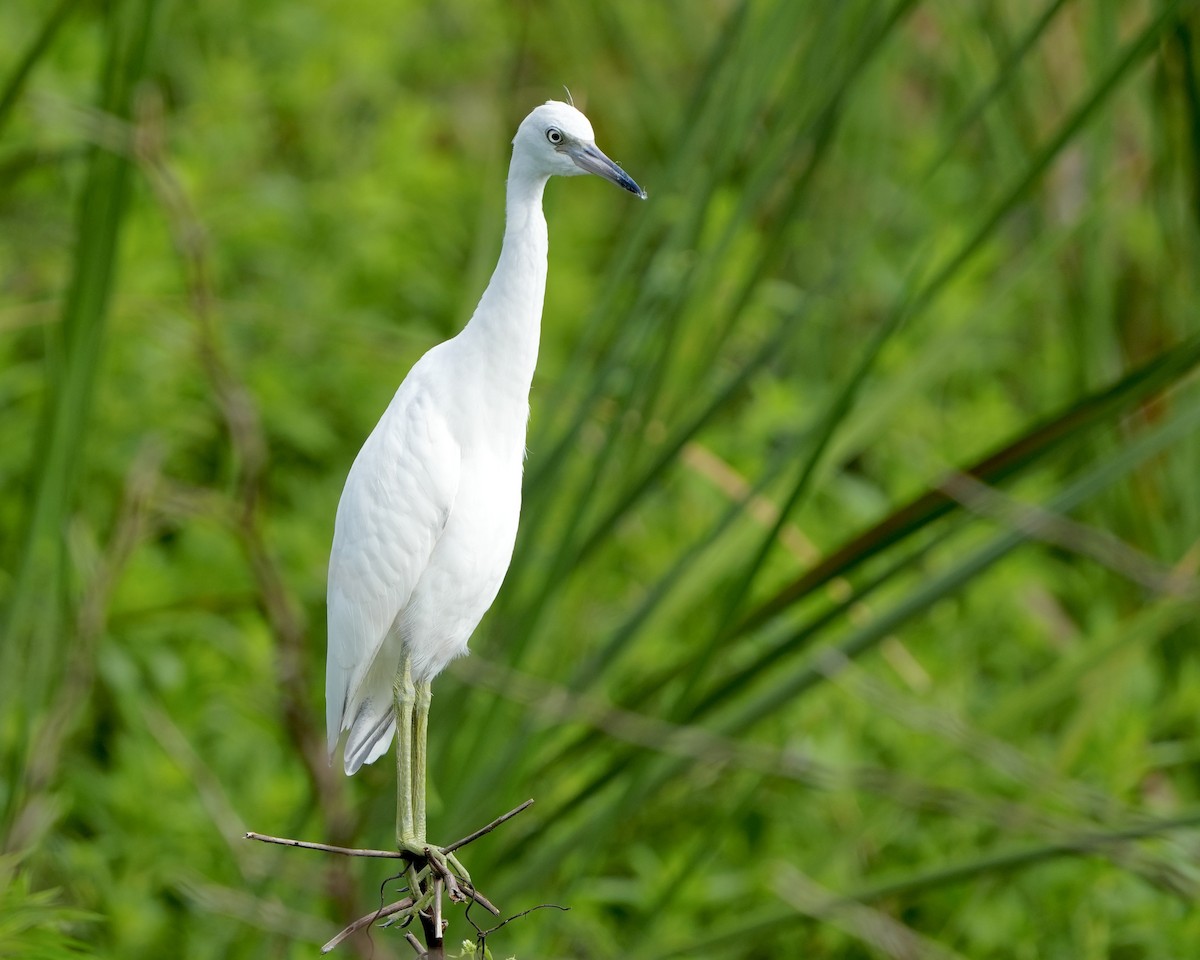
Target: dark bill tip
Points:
(589, 157)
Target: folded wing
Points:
(394, 507)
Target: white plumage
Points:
(428, 517)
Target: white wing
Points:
(394, 506)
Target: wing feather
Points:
(394, 507)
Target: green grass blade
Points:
(34, 625)
(11, 91)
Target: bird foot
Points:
(440, 863)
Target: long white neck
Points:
(506, 326)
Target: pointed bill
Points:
(589, 157)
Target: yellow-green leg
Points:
(405, 696)
(420, 775)
(412, 730)
(419, 769)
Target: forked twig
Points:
(472, 837)
(444, 876)
(366, 920)
(457, 891)
(330, 848)
(388, 854)
(483, 901)
(436, 923)
(481, 935)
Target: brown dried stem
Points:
(458, 890)
(330, 848)
(248, 446)
(366, 920)
(472, 837)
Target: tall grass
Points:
(37, 626)
(852, 609)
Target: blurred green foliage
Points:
(781, 681)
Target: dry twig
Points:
(459, 889)
(366, 920)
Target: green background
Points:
(782, 681)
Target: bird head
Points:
(557, 140)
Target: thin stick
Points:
(483, 901)
(437, 906)
(329, 848)
(431, 925)
(444, 876)
(414, 943)
(386, 854)
(472, 837)
(365, 921)
(523, 913)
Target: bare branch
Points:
(472, 837)
(482, 934)
(444, 876)
(331, 848)
(483, 901)
(367, 919)
(437, 907)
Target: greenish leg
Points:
(420, 773)
(419, 768)
(404, 698)
(412, 729)
(405, 695)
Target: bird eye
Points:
(554, 135)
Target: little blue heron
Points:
(428, 517)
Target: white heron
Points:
(428, 517)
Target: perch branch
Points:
(442, 878)
(483, 901)
(472, 837)
(367, 919)
(330, 848)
